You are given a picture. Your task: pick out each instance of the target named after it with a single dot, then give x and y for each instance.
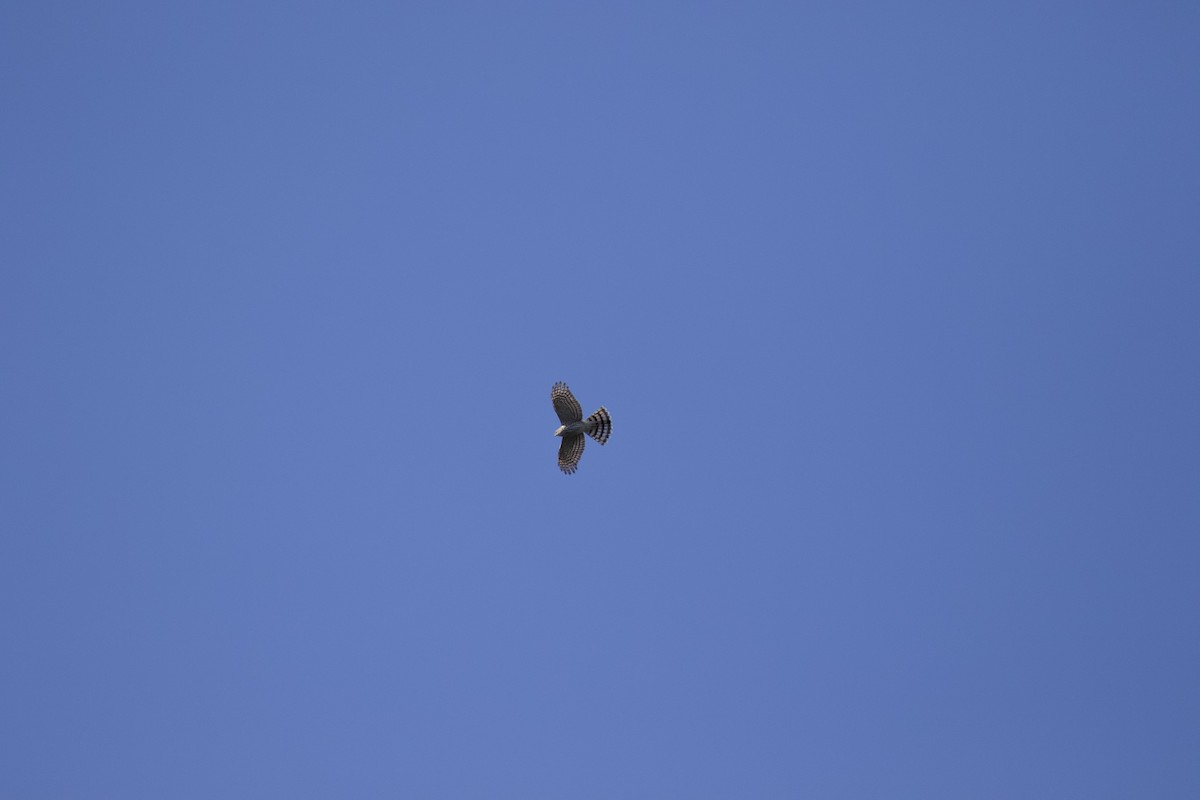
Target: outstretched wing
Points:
(570, 451)
(565, 405)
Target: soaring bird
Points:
(574, 426)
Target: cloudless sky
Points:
(896, 309)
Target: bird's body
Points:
(574, 427)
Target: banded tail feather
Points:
(599, 425)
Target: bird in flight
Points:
(574, 426)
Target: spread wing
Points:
(570, 451)
(565, 405)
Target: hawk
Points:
(574, 426)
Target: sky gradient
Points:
(896, 309)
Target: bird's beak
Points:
(561, 428)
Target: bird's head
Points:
(560, 430)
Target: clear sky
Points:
(896, 308)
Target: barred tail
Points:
(600, 425)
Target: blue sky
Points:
(896, 309)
